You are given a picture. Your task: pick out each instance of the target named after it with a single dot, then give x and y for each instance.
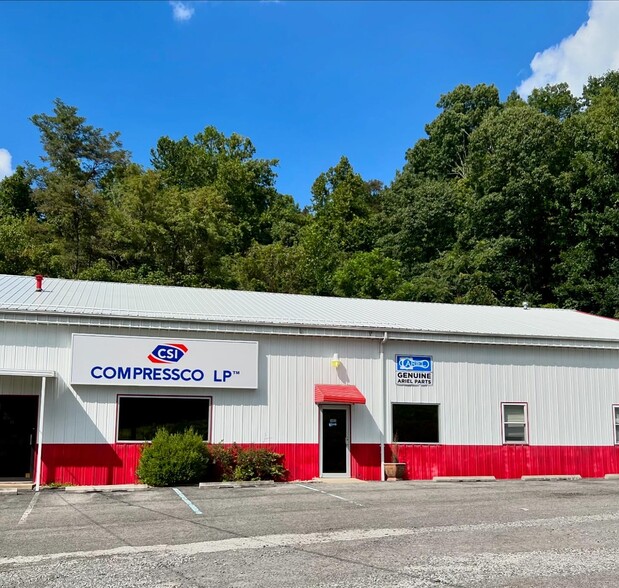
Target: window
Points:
(616, 410)
(139, 417)
(415, 423)
(515, 423)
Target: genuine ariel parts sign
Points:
(150, 361)
(413, 370)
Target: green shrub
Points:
(259, 464)
(173, 458)
(237, 463)
(222, 462)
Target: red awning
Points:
(337, 394)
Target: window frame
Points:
(616, 423)
(525, 405)
(175, 396)
(438, 423)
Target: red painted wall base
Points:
(423, 462)
(91, 464)
(101, 464)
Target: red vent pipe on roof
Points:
(39, 282)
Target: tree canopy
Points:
(501, 202)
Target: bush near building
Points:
(183, 458)
(173, 458)
(235, 463)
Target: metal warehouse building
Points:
(89, 370)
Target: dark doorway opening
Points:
(334, 441)
(18, 427)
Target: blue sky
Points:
(308, 82)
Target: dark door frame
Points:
(346, 408)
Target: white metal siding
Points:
(569, 392)
(281, 410)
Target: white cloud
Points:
(591, 51)
(5, 163)
(181, 11)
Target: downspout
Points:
(384, 399)
(40, 434)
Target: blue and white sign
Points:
(413, 370)
(158, 362)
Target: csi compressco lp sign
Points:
(413, 370)
(163, 362)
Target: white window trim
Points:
(616, 423)
(176, 396)
(526, 423)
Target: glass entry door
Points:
(334, 441)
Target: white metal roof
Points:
(104, 299)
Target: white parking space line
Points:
(188, 502)
(29, 509)
(329, 494)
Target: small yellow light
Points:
(335, 361)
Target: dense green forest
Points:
(500, 203)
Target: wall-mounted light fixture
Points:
(335, 360)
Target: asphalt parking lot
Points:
(403, 534)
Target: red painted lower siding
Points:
(423, 462)
(90, 464)
(365, 461)
(116, 463)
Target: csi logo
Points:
(169, 353)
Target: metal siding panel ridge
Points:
(338, 394)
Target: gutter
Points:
(383, 433)
(296, 329)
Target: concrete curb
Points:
(333, 481)
(550, 478)
(611, 477)
(236, 484)
(464, 479)
(8, 490)
(107, 488)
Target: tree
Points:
(16, 196)
(80, 158)
(516, 156)
(589, 263)
(344, 222)
(418, 219)
(275, 267)
(283, 220)
(555, 100)
(443, 154)
(368, 274)
(154, 229)
(225, 164)
(25, 246)
(609, 82)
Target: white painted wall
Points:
(281, 410)
(570, 392)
